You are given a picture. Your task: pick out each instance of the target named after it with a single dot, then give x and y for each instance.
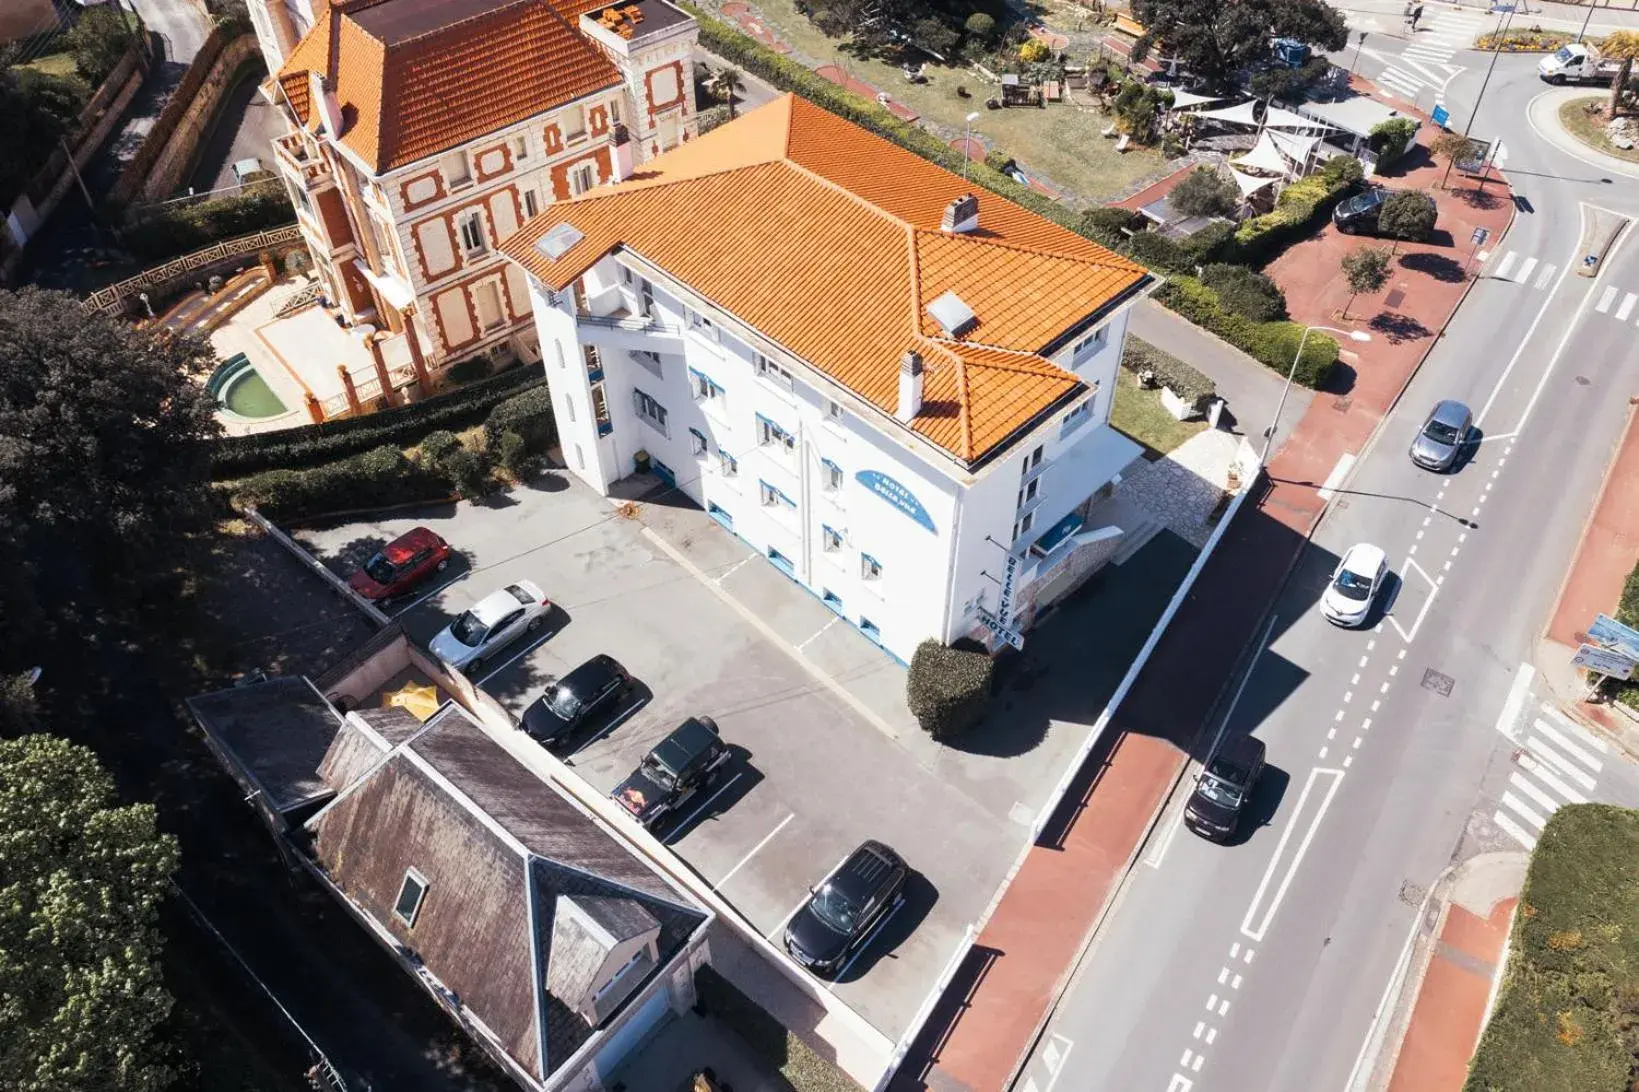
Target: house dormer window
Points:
(410, 895)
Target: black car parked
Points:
(1358, 214)
(576, 700)
(688, 760)
(846, 906)
(1214, 808)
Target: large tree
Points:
(81, 882)
(1216, 41)
(101, 460)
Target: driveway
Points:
(826, 755)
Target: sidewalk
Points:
(1460, 962)
(1004, 991)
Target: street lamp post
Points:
(967, 143)
(1269, 433)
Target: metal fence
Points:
(111, 300)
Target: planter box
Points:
(1178, 407)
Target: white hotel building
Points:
(897, 392)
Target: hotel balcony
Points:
(615, 319)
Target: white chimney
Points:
(961, 215)
(910, 386)
(322, 101)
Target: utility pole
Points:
(1496, 48)
(1586, 19)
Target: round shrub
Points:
(1203, 192)
(980, 26)
(513, 455)
(1158, 252)
(467, 471)
(438, 446)
(1409, 215)
(1034, 50)
(465, 371)
(948, 688)
(1245, 292)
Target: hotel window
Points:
(700, 322)
(728, 464)
(520, 148)
(410, 895)
(831, 538)
(582, 178)
(1032, 462)
(869, 568)
(1075, 419)
(1028, 493)
(830, 476)
(472, 233)
(833, 410)
(772, 496)
(774, 373)
(768, 433)
(487, 297)
(650, 410)
(457, 172)
(532, 205)
(697, 440)
(1022, 528)
(706, 389)
(1088, 347)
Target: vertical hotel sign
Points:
(1004, 608)
(897, 495)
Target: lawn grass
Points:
(1060, 142)
(1140, 414)
(1566, 1015)
(1590, 128)
(54, 64)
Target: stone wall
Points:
(176, 158)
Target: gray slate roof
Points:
(275, 734)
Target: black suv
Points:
(1359, 213)
(846, 906)
(574, 701)
(1214, 808)
(680, 765)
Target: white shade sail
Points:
(1249, 185)
(1186, 100)
(1296, 148)
(1276, 118)
(1264, 156)
(1240, 114)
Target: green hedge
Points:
(378, 478)
(948, 688)
(1181, 378)
(789, 75)
(1565, 1018)
(157, 233)
(1272, 343)
(804, 1070)
(1303, 206)
(234, 456)
(527, 415)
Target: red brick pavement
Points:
(984, 1025)
(1610, 545)
(1451, 1002)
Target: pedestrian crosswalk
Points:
(1425, 62)
(1521, 269)
(1556, 763)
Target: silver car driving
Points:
(1441, 439)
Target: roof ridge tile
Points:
(1120, 264)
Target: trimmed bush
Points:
(980, 26)
(402, 426)
(1159, 252)
(1271, 343)
(468, 370)
(1107, 226)
(1204, 192)
(378, 478)
(948, 688)
(529, 415)
(437, 446)
(1245, 291)
(1209, 244)
(1302, 207)
(466, 471)
(512, 455)
(167, 231)
(713, 117)
(1182, 378)
(1409, 215)
(1392, 138)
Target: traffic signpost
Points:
(1604, 661)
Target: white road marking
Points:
(870, 938)
(1525, 270)
(1212, 1002)
(1257, 931)
(1184, 1061)
(1223, 1008)
(1515, 830)
(509, 661)
(1200, 1028)
(1234, 949)
(754, 849)
(1211, 1036)
(1248, 956)
(1223, 975)
(1506, 267)
(819, 632)
(1235, 983)
(1605, 299)
(1179, 1083)
(1528, 761)
(1523, 810)
(1566, 722)
(1515, 701)
(1408, 637)
(1545, 276)
(1335, 478)
(1540, 748)
(1529, 788)
(1567, 746)
(732, 569)
(1195, 1066)
(721, 789)
(1626, 308)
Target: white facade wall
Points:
(901, 570)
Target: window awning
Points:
(1057, 533)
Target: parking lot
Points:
(825, 753)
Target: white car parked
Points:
(495, 622)
(1355, 585)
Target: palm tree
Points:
(729, 83)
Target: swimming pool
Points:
(242, 392)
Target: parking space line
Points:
(754, 849)
(732, 569)
(422, 598)
(818, 632)
(614, 722)
(870, 938)
(531, 647)
(685, 824)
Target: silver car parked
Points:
(1443, 436)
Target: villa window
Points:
(1089, 347)
(532, 205)
(520, 148)
(487, 297)
(457, 172)
(472, 234)
(582, 178)
(1075, 419)
(574, 123)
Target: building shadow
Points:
(920, 1068)
(1261, 805)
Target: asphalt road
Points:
(1260, 966)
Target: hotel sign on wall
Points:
(895, 494)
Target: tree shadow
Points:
(1340, 380)
(1397, 328)
(1438, 266)
(1481, 198)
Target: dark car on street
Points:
(574, 702)
(1443, 436)
(1358, 214)
(846, 908)
(1214, 808)
(401, 565)
(679, 766)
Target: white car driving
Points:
(493, 623)
(1355, 585)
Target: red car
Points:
(401, 565)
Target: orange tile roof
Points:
(417, 77)
(825, 238)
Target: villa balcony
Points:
(302, 166)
